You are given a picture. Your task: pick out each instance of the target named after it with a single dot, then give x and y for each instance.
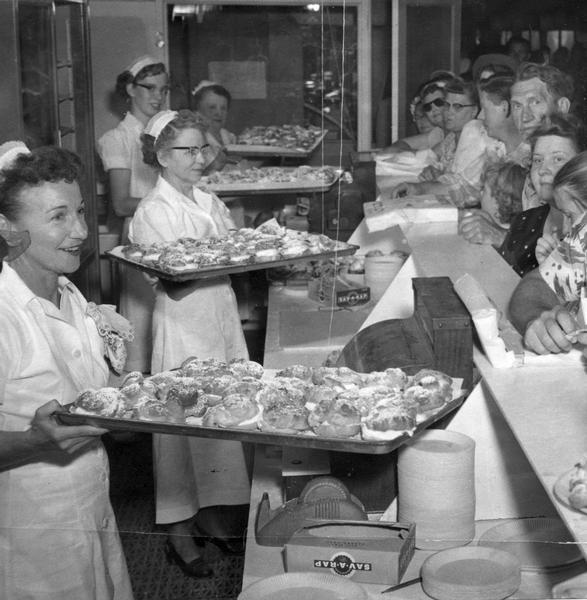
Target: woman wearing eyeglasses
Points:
(198, 318)
(143, 85)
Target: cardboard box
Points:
(347, 294)
(364, 551)
(382, 214)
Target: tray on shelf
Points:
(272, 187)
(341, 249)
(268, 150)
(260, 437)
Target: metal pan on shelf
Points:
(260, 437)
(341, 249)
(250, 150)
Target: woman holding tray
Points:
(58, 535)
(198, 318)
(143, 85)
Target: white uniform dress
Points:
(120, 148)
(190, 472)
(58, 535)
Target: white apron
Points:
(58, 535)
(192, 473)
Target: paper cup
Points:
(380, 271)
(436, 488)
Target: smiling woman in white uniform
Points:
(195, 319)
(58, 535)
(144, 85)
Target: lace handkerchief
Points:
(115, 330)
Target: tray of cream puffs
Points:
(268, 246)
(328, 408)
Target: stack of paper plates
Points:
(303, 586)
(471, 572)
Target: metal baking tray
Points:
(266, 150)
(358, 446)
(289, 187)
(342, 249)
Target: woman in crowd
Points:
(143, 85)
(194, 319)
(562, 261)
(212, 102)
(558, 140)
(58, 535)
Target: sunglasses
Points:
(457, 106)
(153, 88)
(193, 151)
(427, 106)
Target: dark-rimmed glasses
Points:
(438, 102)
(153, 88)
(193, 151)
(456, 105)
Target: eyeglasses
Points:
(438, 102)
(153, 88)
(456, 105)
(193, 151)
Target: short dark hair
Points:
(565, 126)
(45, 164)
(518, 39)
(215, 88)
(126, 77)
(185, 119)
(498, 88)
(573, 177)
(559, 84)
(465, 88)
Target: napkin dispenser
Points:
(323, 499)
(439, 335)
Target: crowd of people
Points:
(498, 141)
(502, 145)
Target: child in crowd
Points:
(562, 262)
(502, 191)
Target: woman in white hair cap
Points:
(58, 534)
(144, 85)
(198, 318)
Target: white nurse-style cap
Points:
(203, 84)
(10, 150)
(140, 63)
(158, 123)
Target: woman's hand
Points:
(430, 173)
(47, 431)
(545, 245)
(404, 189)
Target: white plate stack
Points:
(436, 488)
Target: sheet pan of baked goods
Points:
(269, 245)
(329, 408)
(271, 179)
(278, 140)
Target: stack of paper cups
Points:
(380, 272)
(436, 488)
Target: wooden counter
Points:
(529, 423)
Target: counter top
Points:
(528, 422)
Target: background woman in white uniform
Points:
(144, 85)
(194, 319)
(58, 535)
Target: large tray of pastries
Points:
(268, 246)
(278, 140)
(329, 408)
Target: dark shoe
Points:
(199, 567)
(230, 546)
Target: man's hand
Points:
(548, 333)
(478, 227)
(47, 431)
